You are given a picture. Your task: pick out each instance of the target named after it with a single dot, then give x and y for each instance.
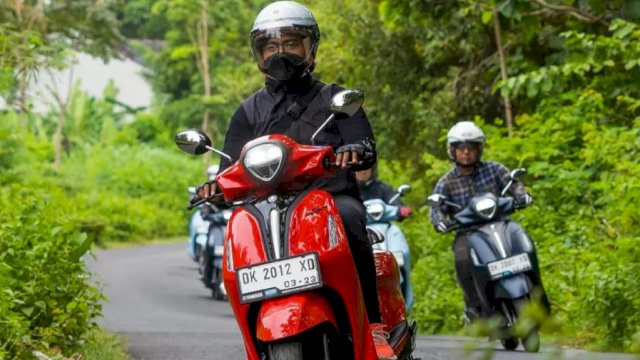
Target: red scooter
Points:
(287, 267)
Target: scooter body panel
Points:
(495, 241)
(392, 306)
(198, 229)
(312, 224)
(396, 243)
(281, 318)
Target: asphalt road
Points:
(157, 302)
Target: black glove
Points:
(351, 147)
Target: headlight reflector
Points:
(264, 161)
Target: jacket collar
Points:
(297, 86)
(458, 173)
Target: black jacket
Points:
(376, 189)
(266, 110)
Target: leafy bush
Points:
(46, 298)
(583, 176)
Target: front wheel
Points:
(216, 289)
(531, 341)
(318, 344)
(285, 351)
(510, 343)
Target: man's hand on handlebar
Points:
(349, 155)
(207, 190)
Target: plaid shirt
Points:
(489, 177)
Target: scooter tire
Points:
(510, 343)
(216, 293)
(530, 342)
(285, 351)
(205, 269)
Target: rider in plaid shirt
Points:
(487, 177)
(470, 177)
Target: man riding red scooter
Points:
(284, 42)
(287, 267)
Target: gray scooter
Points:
(505, 267)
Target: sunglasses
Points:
(466, 146)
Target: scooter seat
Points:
(375, 236)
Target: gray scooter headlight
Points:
(485, 207)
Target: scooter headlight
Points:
(226, 214)
(375, 210)
(264, 161)
(486, 207)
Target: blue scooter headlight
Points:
(375, 210)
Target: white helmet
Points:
(280, 18)
(465, 131)
(212, 171)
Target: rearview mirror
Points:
(196, 142)
(347, 101)
(436, 200)
(517, 172)
(404, 189)
(193, 141)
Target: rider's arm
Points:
(436, 215)
(239, 133)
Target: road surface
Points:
(157, 302)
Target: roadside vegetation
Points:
(558, 94)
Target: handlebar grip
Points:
(216, 199)
(195, 204)
(518, 206)
(454, 227)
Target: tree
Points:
(41, 35)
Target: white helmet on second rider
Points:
(464, 132)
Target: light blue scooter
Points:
(379, 217)
(198, 232)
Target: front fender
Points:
(512, 287)
(292, 315)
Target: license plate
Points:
(278, 278)
(509, 266)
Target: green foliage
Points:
(46, 298)
(130, 192)
(104, 346)
(109, 188)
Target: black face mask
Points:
(284, 66)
